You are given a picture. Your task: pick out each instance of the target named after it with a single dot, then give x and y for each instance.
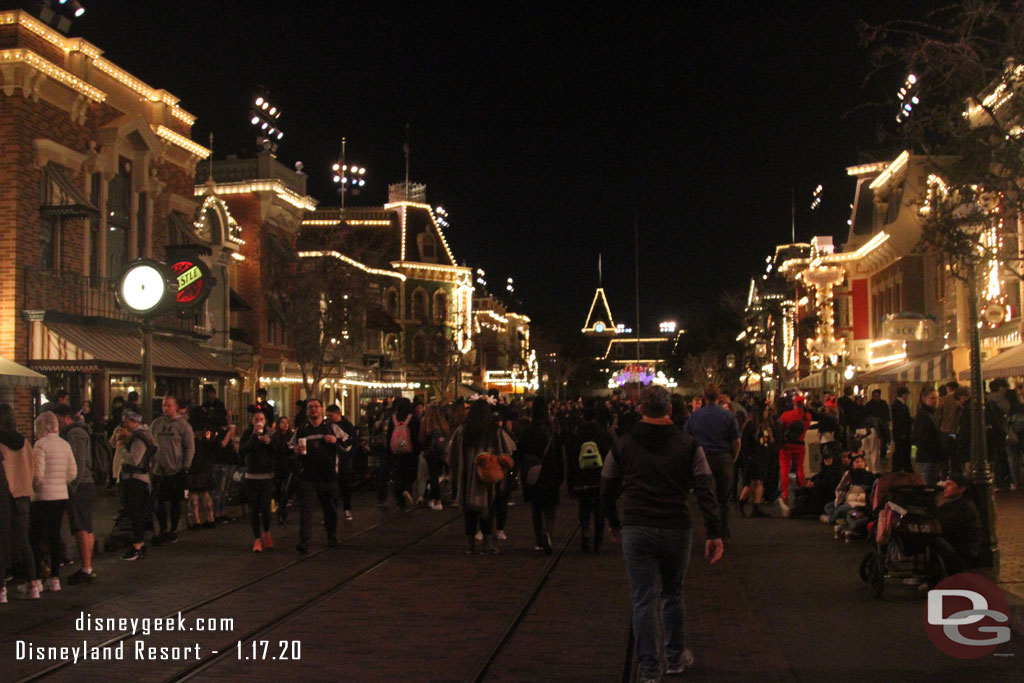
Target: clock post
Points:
(144, 290)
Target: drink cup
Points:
(302, 444)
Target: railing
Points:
(88, 297)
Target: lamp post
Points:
(347, 175)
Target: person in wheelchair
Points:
(961, 538)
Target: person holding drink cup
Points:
(258, 454)
(317, 445)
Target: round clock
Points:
(599, 327)
(143, 288)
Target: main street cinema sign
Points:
(909, 329)
(194, 282)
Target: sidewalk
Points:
(1010, 533)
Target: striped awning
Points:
(815, 380)
(937, 367)
(67, 346)
(1008, 363)
(14, 375)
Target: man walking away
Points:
(81, 494)
(717, 432)
(653, 469)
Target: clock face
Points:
(599, 327)
(142, 288)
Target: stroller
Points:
(903, 539)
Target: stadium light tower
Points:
(263, 116)
(349, 177)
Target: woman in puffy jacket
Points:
(54, 469)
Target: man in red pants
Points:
(794, 427)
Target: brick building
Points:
(98, 169)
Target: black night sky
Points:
(546, 131)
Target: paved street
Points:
(398, 599)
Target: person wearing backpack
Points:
(433, 439)
(588, 447)
(401, 442)
(139, 452)
(477, 440)
(541, 457)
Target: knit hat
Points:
(132, 415)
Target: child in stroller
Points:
(904, 534)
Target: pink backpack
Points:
(401, 438)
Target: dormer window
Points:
(427, 246)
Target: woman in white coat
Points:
(55, 468)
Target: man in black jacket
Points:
(902, 428)
(317, 444)
(653, 469)
(961, 537)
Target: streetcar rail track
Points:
(484, 666)
(128, 635)
(257, 632)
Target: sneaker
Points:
(479, 536)
(836, 531)
(547, 544)
(302, 548)
(501, 535)
(132, 554)
(348, 515)
(257, 546)
(3, 595)
(685, 661)
(436, 506)
(53, 584)
(268, 541)
(783, 508)
(81, 577)
(171, 537)
(30, 590)
(408, 499)
(823, 519)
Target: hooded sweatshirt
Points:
(176, 445)
(654, 468)
(17, 458)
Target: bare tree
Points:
(443, 359)
(320, 303)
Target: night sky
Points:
(546, 132)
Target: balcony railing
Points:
(90, 297)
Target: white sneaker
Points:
(53, 584)
(783, 508)
(501, 535)
(436, 505)
(684, 662)
(479, 536)
(823, 519)
(30, 590)
(348, 515)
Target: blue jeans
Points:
(651, 554)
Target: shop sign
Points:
(909, 329)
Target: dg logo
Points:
(966, 616)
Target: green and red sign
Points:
(194, 282)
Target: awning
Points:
(237, 303)
(815, 380)
(378, 319)
(1008, 363)
(61, 197)
(13, 375)
(937, 367)
(67, 346)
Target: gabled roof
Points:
(599, 314)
